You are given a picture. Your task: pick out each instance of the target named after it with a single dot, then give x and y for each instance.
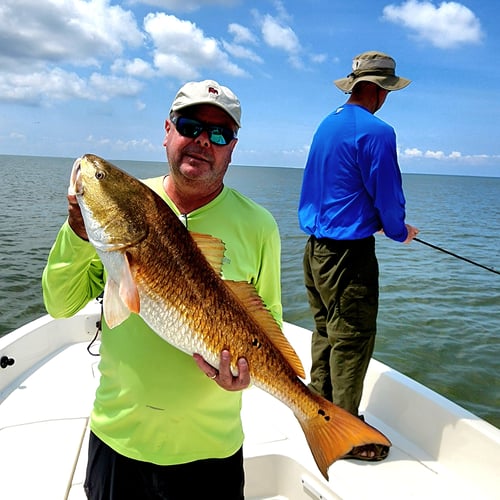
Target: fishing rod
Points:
(455, 255)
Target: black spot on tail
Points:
(323, 414)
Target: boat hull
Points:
(439, 449)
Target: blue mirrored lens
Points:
(187, 127)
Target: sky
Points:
(98, 76)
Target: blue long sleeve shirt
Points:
(352, 184)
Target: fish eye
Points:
(99, 175)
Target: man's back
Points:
(351, 169)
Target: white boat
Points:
(47, 385)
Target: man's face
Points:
(198, 159)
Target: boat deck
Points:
(44, 430)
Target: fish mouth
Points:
(75, 182)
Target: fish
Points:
(171, 277)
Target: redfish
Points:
(172, 278)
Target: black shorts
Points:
(111, 476)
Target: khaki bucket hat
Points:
(375, 67)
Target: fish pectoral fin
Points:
(253, 303)
(115, 311)
(212, 248)
(128, 291)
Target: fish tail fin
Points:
(332, 432)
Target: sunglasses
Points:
(187, 127)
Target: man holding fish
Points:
(183, 259)
(154, 407)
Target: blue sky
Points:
(99, 76)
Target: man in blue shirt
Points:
(351, 189)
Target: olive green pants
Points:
(341, 278)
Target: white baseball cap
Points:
(208, 92)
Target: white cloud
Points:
(61, 85)
(41, 41)
(318, 58)
(122, 145)
(74, 31)
(445, 26)
(282, 12)
(182, 49)
(241, 52)
(437, 155)
(413, 152)
(301, 151)
(47, 48)
(136, 67)
(185, 5)
(134, 144)
(278, 36)
(276, 33)
(441, 155)
(104, 87)
(241, 34)
(31, 87)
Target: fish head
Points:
(111, 201)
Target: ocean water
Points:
(439, 319)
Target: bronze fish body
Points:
(171, 278)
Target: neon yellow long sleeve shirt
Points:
(153, 403)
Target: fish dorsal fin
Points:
(212, 248)
(251, 300)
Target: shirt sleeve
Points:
(268, 283)
(73, 275)
(385, 186)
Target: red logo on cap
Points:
(211, 90)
